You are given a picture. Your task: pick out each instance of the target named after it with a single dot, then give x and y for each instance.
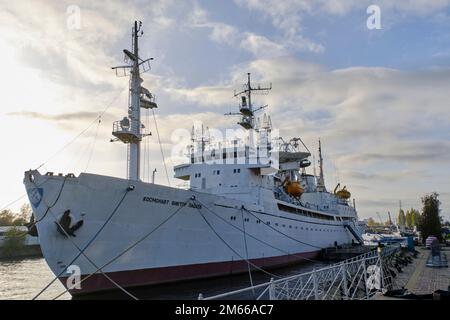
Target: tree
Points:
(6, 217)
(372, 223)
(415, 217)
(14, 239)
(401, 220)
(23, 216)
(408, 219)
(429, 222)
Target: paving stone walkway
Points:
(420, 279)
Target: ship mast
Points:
(134, 113)
(246, 110)
(129, 129)
(321, 182)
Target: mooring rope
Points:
(22, 196)
(130, 247)
(86, 246)
(305, 243)
(246, 253)
(232, 249)
(259, 240)
(160, 146)
(83, 131)
(54, 203)
(93, 144)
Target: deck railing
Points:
(357, 278)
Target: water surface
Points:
(23, 279)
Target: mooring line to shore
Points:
(233, 250)
(262, 241)
(83, 131)
(81, 251)
(129, 248)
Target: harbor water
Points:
(23, 279)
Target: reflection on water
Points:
(25, 278)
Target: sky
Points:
(377, 98)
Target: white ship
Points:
(248, 205)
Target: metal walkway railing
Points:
(353, 279)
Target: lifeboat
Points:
(294, 189)
(343, 193)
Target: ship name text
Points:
(173, 202)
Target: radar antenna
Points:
(246, 110)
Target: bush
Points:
(14, 240)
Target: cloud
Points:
(386, 130)
(260, 46)
(71, 116)
(288, 16)
(220, 32)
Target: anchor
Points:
(65, 226)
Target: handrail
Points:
(346, 264)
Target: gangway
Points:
(354, 233)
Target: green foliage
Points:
(6, 218)
(14, 240)
(372, 223)
(429, 222)
(401, 219)
(415, 217)
(408, 219)
(9, 218)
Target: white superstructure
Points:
(250, 203)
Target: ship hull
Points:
(145, 234)
(156, 276)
